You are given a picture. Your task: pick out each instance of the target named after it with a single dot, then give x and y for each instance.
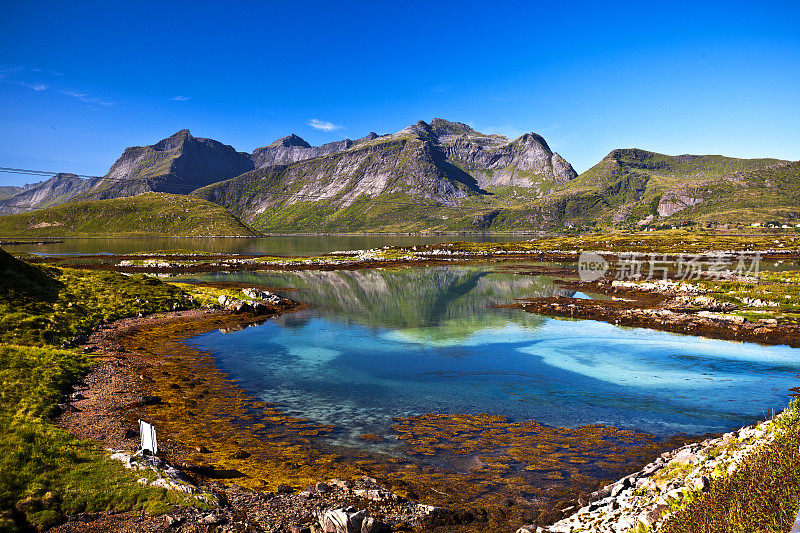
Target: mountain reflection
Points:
(431, 305)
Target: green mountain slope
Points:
(153, 214)
(770, 194)
(437, 176)
(625, 188)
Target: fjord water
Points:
(376, 344)
(281, 245)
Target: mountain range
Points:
(437, 176)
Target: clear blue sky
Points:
(80, 81)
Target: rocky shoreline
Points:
(647, 497)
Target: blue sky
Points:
(80, 81)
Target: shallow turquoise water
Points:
(384, 343)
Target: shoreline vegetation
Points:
(54, 310)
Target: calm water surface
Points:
(383, 343)
(291, 245)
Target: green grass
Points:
(147, 215)
(50, 306)
(46, 473)
(762, 495)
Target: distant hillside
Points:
(57, 190)
(7, 191)
(146, 215)
(770, 194)
(625, 188)
(441, 175)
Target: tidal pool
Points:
(379, 344)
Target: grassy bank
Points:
(762, 495)
(46, 473)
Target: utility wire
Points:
(146, 181)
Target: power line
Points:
(146, 181)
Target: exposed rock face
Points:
(292, 148)
(492, 159)
(459, 143)
(441, 163)
(396, 165)
(675, 200)
(57, 190)
(178, 164)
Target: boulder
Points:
(345, 520)
(702, 484)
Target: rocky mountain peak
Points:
(420, 129)
(290, 140)
(174, 141)
(629, 154)
(441, 126)
(531, 139)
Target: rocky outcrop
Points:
(645, 498)
(494, 160)
(675, 200)
(394, 166)
(427, 165)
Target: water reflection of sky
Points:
(379, 344)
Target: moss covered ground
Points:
(46, 473)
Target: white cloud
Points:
(322, 125)
(181, 98)
(83, 97)
(38, 87)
